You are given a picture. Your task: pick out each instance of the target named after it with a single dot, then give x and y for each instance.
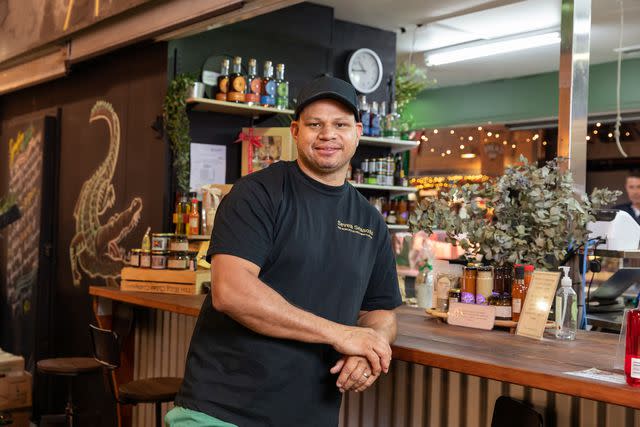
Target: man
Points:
(632, 186)
(303, 284)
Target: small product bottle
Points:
(146, 241)
(374, 120)
(632, 348)
(194, 218)
(223, 81)
(282, 89)
(373, 172)
(468, 291)
(237, 82)
(365, 170)
(518, 293)
(180, 210)
(424, 286)
(397, 170)
(566, 309)
(391, 126)
(484, 285)
(365, 116)
(442, 287)
(254, 84)
(268, 98)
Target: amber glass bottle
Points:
(237, 82)
(223, 81)
(518, 293)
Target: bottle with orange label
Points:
(194, 218)
(268, 96)
(254, 84)
(223, 81)
(237, 82)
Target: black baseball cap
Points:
(326, 87)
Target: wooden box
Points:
(15, 391)
(180, 282)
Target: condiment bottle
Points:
(146, 241)
(282, 88)
(268, 97)
(254, 84)
(518, 293)
(632, 349)
(566, 309)
(237, 82)
(468, 291)
(194, 218)
(223, 81)
(484, 285)
(365, 116)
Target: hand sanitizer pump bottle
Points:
(566, 309)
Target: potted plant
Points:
(530, 214)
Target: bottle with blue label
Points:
(268, 96)
(365, 117)
(374, 127)
(282, 89)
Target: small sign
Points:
(472, 315)
(537, 304)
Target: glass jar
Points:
(160, 241)
(145, 259)
(484, 285)
(468, 291)
(134, 257)
(159, 260)
(179, 243)
(424, 287)
(178, 261)
(454, 296)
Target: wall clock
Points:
(364, 70)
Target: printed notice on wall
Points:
(537, 304)
(208, 165)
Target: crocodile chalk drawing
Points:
(95, 249)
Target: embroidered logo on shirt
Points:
(356, 229)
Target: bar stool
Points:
(106, 350)
(69, 367)
(509, 412)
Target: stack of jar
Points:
(387, 171)
(504, 287)
(375, 120)
(394, 210)
(164, 251)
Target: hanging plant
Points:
(176, 123)
(410, 81)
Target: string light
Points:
(627, 134)
(489, 134)
(470, 138)
(504, 142)
(461, 147)
(513, 145)
(429, 182)
(468, 155)
(433, 150)
(479, 127)
(528, 139)
(435, 131)
(424, 138)
(536, 136)
(462, 138)
(595, 132)
(544, 142)
(442, 154)
(598, 124)
(610, 135)
(448, 151)
(588, 138)
(452, 131)
(497, 135)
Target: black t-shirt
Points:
(325, 250)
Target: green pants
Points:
(183, 417)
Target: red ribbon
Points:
(254, 141)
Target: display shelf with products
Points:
(392, 188)
(224, 107)
(396, 145)
(398, 227)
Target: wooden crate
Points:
(180, 282)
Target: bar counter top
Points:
(493, 354)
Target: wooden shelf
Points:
(199, 237)
(398, 227)
(392, 188)
(213, 106)
(397, 145)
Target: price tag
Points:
(472, 315)
(537, 304)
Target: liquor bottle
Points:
(632, 348)
(194, 218)
(268, 98)
(254, 84)
(497, 296)
(181, 208)
(237, 82)
(566, 309)
(392, 122)
(518, 293)
(365, 117)
(282, 89)
(374, 126)
(397, 173)
(146, 241)
(223, 81)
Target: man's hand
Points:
(355, 374)
(365, 342)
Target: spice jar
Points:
(484, 285)
(160, 241)
(454, 296)
(159, 260)
(134, 257)
(178, 261)
(179, 243)
(468, 291)
(145, 259)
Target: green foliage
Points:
(528, 215)
(410, 80)
(7, 203)
(176, 124)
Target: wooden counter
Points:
(489, 354)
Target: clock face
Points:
(365, 70)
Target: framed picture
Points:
(263, 146)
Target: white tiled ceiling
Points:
(450, 22)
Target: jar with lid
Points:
(160, 241)
(179, 243)
(468, 291)
(159, 260)
(424, 287)
(145, 259)
(178, 261)
(454, 296)
(134, 257)
(484, 285)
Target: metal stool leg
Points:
(158, 414)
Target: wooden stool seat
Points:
(71, 366)
(161, 389)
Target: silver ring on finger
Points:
(366, 374)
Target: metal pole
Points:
(574, 88)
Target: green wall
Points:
(522, 99)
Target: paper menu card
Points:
(537, 304)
